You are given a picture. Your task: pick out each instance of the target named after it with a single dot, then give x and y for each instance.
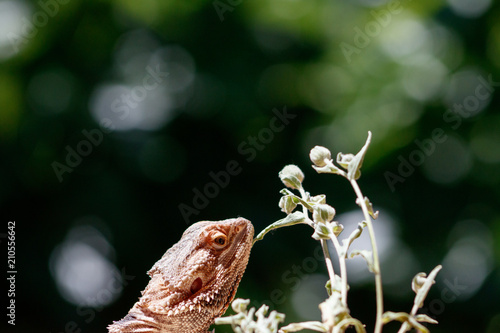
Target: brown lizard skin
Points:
(194, 282)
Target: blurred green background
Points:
(116, 115)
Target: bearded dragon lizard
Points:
(194, 282)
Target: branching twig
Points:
(336, 316)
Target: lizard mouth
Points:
(241, 243)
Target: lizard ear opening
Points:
(196, 285)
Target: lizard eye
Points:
(219, 240)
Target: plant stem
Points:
(328, 260)
(404, 328)
(376, 264)
(324, 245)
(343, 269)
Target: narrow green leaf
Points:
(425, 319)
(389, 316)
(415, 324)
(354, 234)
(329, 168)
(354, 167)
(369, 206)
(407, 320)
(367, 255)
(292, 219)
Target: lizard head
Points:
(220, 257)
(195, 280)
(202, 271)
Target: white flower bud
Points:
(292, 176)
(318, 199)
(240, 305)
(286, 204)
(418, 281)
(323, 213)
(320, 155)
(344, 159)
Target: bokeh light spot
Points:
(423, 77)
(13, 24)
(403, 37)
(396, 258)
(130, 107)
(469, 93)
(470, 258)
(469, 8)
(82, 270)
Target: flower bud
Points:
(318, 199)
(321, 231)
(240, 305)
(323, 213)
(320, 156)
(418, 281)
(344, 159)
(287, 204)
(292, 176)
(337, 228)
